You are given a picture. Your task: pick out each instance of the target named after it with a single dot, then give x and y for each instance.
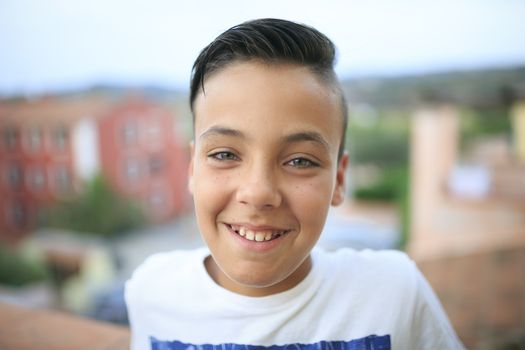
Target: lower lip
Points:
(261, 247)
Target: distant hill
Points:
(111, 91)
(476, 88)
(483, 88)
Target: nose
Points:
(258, 187)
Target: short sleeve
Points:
(136, 292)
(431, 326)
(139, 339)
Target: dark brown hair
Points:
(272, 41)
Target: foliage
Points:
(479, 123)
(98, 210)
(383, 149)
(392, 182)
(384, 142)
(486, 87)
(393, 186)
(381, 137)
(403, 202)
(17, 269)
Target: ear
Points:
(338, 195)
(190, 167)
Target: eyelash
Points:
(310, 164)
(223, 156)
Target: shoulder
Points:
(388, 282)
(153, 272)
(410, 296)
(374, 256)
(370, 272)
(159, 262)
(370, 262)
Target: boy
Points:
(267, 162)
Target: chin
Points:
(256, 279)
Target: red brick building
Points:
(141, 156)
(50, 146)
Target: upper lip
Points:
(252, 227)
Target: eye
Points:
(302, 163)
(223, 156)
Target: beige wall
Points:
(518, 128)
(433, 154)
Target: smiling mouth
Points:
(257, 235)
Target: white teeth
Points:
(250, 235)
(258, 236)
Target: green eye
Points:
(302, 163)
(223, 155)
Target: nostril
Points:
(259, 195)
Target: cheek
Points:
(311, 201)
(210, 193)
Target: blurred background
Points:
(95, 126)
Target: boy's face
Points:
(264, 172)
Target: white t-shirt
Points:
(349, 301)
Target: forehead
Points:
(255, 95)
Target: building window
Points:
(60, 138)
(34, 139)
(14, 176)
(18, 214)
(132, 170)
(156, 164)
(36, 179)
(153, 131)
(153, 134)
(62, 179)
(157, 200)
(10, 136)
(130, 133)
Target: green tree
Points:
(18, 269)
(98, 210)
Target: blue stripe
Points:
(372, 342)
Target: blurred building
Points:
(468, 225)
(49, 147)
(518, 121)
(463, 202)
(142, 156)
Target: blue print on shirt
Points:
(372, 342)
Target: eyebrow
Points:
(311, 136)
(307, 136)
(220, 131)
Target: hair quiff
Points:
(272, 41)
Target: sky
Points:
(56, 45)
